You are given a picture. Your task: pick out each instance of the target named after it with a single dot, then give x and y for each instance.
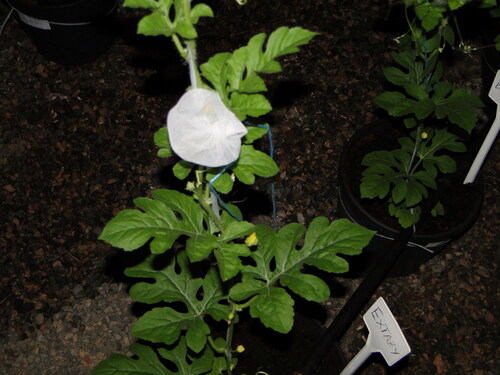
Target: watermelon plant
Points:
(430, 108)
(206, 263)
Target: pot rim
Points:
(434, 238)
(73, 13)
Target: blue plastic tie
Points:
(223, 170)
(271, 154)
(219, 199)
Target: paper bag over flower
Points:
(203, 131)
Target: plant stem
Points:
(179, 46)
(216, 348)
(192, 42)
(418, 139)
(204, 199)
(228, 352)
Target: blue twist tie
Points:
(219, 199)
(223, 170)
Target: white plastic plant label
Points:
(494, 92)
(490, 138)
(385, 337)
(34, 22)
(203, 131)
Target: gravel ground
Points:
(76, 147)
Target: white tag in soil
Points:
(385, 337)
(494, 94)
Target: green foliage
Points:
(422, 100)
(161, 22)
(148, 363)
(404, 180)
(164, 219)
(175, 283)
(279, 265)
(203, 264)
(235, 76)
(250, 164)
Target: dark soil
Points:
(77, 147)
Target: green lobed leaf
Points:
(146, 4)
(145, 363)
(457, 105)
(224, 183)
(436, 75)
(432, 43)
(396, 76)
(186, 30)
(253, 84)
(161, 140)
(416, 91)
(415, 192)
(429, 151)
(427, 178)
(227, 253)
(244, 105)
(374, 186)
(154, 24)
(236, 229)
(278, 261)
(253, 163)
(429, 14)
(399, 191)
(200, 10)
(182, 169)
(406, 216)
(284, 41)
(406, 59)
(175, 283)
(215, 70)
(254, 133)
(407, 144)
(228, 259)
(186, 363)
(410, 122)
(449, 35)
(438, 210)
(274, 308)
(396, 103)
(424, 108)
(383, 169)
(166, 217)
(455, 4)
(234, 75)
(237, 65)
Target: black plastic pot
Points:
(462, 205)
(276, 353)
(69, 33)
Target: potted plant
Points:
(389, 169)
(69, 32)
(206, 267)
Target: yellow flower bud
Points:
(240, 348)
(424, 135)
(252, 239)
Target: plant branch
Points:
(410, 169)
(192, 42)
(228, 352)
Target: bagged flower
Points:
(202, 130)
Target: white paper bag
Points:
(202, 130)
